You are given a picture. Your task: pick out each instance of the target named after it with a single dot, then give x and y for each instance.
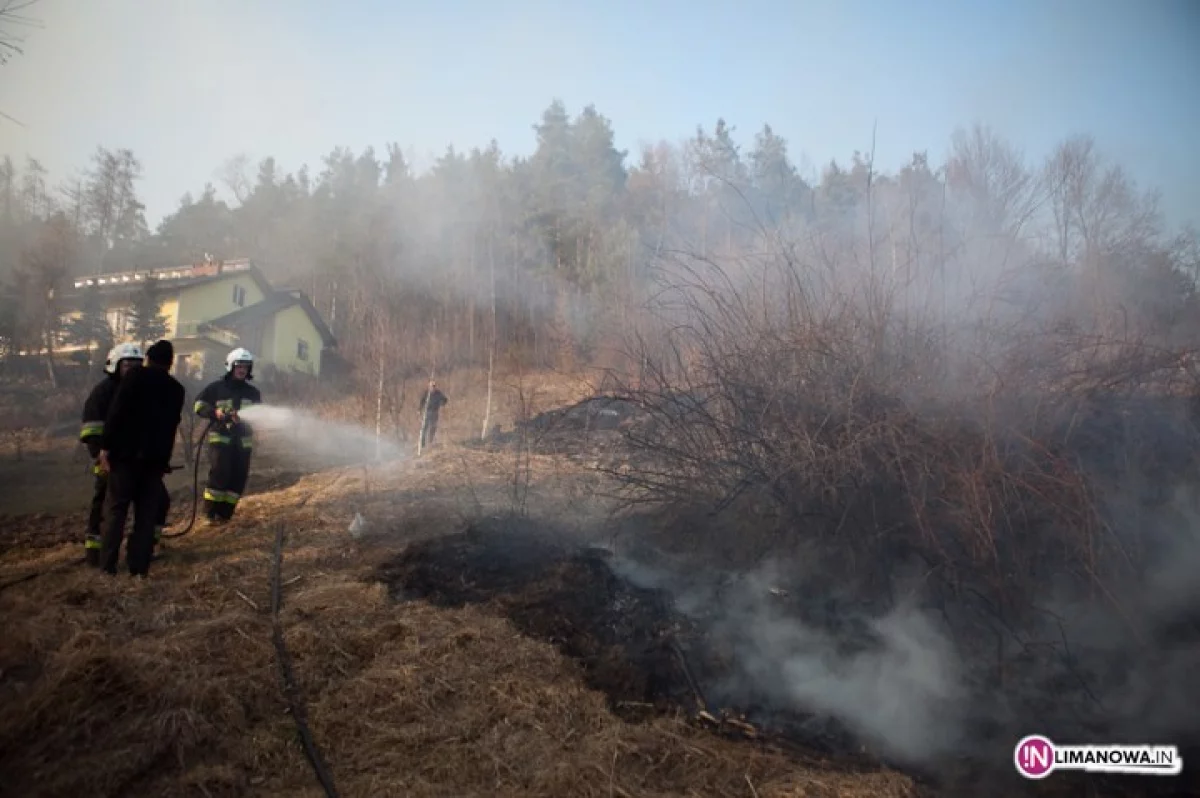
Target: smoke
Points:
(919, 685)
(1080, 626)
(1138, 649)
(895, 680)
(321, 442)
(900, 692)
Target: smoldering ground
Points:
(1083, 645)
(893, 681)
(918, 683)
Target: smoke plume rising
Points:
(894, 680)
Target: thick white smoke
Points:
(900, 688)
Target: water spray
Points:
(332, 442)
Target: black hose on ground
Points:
(288, 676)
(62, 566)
(195, 485)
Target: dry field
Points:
(172, 687)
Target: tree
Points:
(10, 320)
(147, 322)
(780, 192)
(532, 259)
(44, 265)
(113, 210)
(199, 228)
(10, 17)
(90, 329)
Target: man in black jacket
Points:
(139, 438)
(120, 360)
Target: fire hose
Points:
(291, 690)
(287, 675)
(195, 483)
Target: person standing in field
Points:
(432, 402)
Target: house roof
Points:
(170, 279)
(274, 303)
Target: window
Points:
(239, 296)
(118, 322)
(301, 349)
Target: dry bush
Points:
(991, 463)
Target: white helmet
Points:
(121, 352)
(239, 355)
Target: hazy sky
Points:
(188, 83)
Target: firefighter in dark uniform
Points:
(230, 440)
(139, 437)
(121, 358)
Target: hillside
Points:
(481, 620)
(172, 687)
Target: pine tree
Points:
(90, 329)
(147, 322)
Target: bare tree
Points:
(234, 174)
(12, 16)
(45, 264)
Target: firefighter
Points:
(121, 358)
(230, 440)
(136, 446)
(432, 402)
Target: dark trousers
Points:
(91, 543)
(228, 472)
(141, 485)
(429, 429)
(95, 534)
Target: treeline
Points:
(550, 260)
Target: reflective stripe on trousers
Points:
(224, 496)
(217, 439)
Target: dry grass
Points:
(169, 687)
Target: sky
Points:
(187, 84)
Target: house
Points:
(211, 308)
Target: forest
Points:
(552, 260)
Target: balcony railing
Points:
(167, 274)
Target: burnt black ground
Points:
(628, 641)
(556, 592)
